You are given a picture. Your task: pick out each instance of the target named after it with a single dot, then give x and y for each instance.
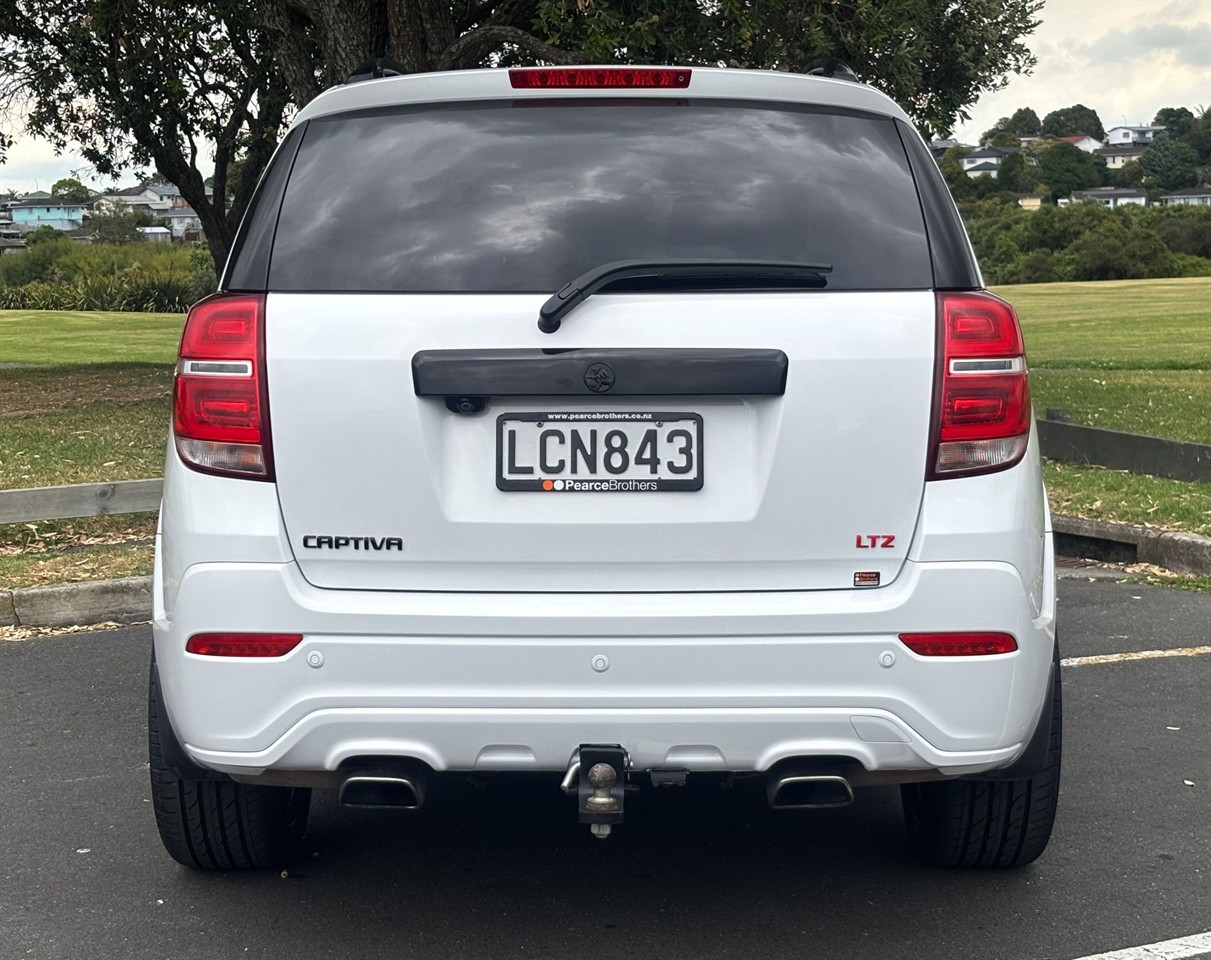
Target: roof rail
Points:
(831, 67)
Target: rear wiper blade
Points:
(560, 304)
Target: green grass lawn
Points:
(82, 424)
(1131, 355)
(1116, 325)
(96, 405)
(1096, 493)
(1164, 403)
(80, 336)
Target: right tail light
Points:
(982, 392)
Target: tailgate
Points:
(382, 489)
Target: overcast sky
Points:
(1124, 58)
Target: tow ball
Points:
(599, 773)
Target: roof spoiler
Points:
(376, 69)
(833, 68)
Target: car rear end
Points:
(788, 524)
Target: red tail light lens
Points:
(982, 398)
(220, 403)
(566, 78)
(243, 644)
(959, 644)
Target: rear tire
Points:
(220, 824)
(988, 823)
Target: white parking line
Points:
(1135, 655)
(1182, 949)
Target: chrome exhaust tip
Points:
(808, 792)
(382, 791)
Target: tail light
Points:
(243, 644)
(982, 393)
(544, 78)
(959, 644)
(220, 408)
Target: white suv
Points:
(624, 425)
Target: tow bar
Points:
(597, 775)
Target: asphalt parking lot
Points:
(504, 870)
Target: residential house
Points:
(30, 214)
(162, 201)
(156, 234)
(1118, 136)
(1192, 196)
(986, 160)
(8, 245)
(181, 221)
(1084, 142)
(1111, 197)
(171, 193)
(136, 200)
(1117, 156)
(939, 147)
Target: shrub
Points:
(1186, 265)
(1038, 267)
(59, 274)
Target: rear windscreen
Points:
(524, 196)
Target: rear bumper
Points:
(702, 682)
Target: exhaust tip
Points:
(809, 792)
(381, 792)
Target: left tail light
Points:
(220, 407)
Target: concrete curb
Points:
(77, 604)
(1127, 543)
(129, 600)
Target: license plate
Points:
(599, 452)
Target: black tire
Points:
(988, 823)
(219, 824)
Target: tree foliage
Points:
(1071, 121)
(70, 190)
(1177, 121)
(132, 83)
(1169, 164)
(1064, 168)
(1015, 175)
(42, 234)
(1086, 241)
(1130, 174)
(934, 57)
(1023, 122)
(116, 225)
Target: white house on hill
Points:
(1191, 196)
(986, 160)
(1118, 156)
(1118, 136)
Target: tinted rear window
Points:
(513, 197)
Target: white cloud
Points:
(1188, 46)
(1124, 58)
(32, 165)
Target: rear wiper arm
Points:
(558, 306)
